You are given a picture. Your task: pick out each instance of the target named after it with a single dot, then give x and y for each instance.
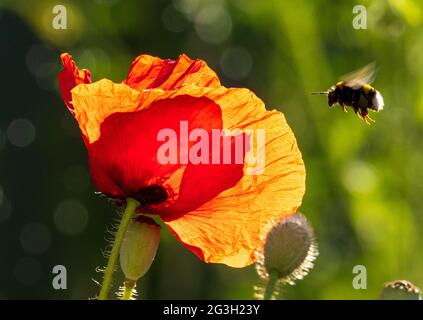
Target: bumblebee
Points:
(356, 92)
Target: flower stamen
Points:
(151, 195)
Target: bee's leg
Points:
(369, 120)
(344, 108)
(366, 120)
(357, 110)
(368, 117)
(354, 103)
(365, 115)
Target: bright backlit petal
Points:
(217, 211)
(227, 229)
(148, 72)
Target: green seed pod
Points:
(289, 250)
(400, 290)
(139, 247)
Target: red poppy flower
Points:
(217, 209)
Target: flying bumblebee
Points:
(355, 91)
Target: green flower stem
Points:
(271, 285)
(128, 289)
(131, 205)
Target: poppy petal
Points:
(201, 182)
(70, 77)
(130, 137)
(148, 72)
(94, 102)
(227, 228)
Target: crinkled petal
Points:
(202, 182)
(70, 77)
(93, 103)
(124, 156)
(148, 72)
(227, 228)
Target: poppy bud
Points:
(400, 290)
(139, 247)
(288, 251)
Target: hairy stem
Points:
(128, 289)
(271, 285)
(131, 205)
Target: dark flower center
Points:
(154, 194)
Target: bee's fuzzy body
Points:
(356, 92)
(360, 99)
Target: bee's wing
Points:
(361, 76)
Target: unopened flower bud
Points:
(400, 290)
(288, 251)
(139, 247)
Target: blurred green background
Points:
(364, 183)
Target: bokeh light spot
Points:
(236, 63)
(213, 24)
(41, 60)
(21, 132)
(35, 238)
(96, 60)
(173, 20)
(71, 217)
(359, 177)
(188, 7)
